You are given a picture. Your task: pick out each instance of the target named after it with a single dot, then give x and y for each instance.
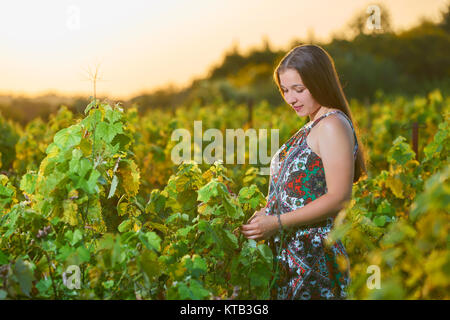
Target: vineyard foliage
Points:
(100, 192)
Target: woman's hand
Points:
(261, 212)
(260, 227)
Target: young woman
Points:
(311, 180)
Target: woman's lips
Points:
(297, 108)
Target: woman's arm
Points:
(336, 151)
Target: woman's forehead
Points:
(291, 78)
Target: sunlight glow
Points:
(141, 45)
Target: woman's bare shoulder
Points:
(336, 120)
(336, 123)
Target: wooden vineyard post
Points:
(415, 136)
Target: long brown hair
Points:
(316, 68)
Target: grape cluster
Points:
(43, 233)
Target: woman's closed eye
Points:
(284, 91)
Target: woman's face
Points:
(296, 94)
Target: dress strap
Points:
(355, 149)
(313, 124)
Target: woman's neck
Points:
(320, 112)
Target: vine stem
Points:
(51, 273)
(49, 269)
(277, 271)
(84, 217)
(118, 283)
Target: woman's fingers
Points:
(251, 218)
(251, 231)
(256, 214)
(250, 226)
(254, 235)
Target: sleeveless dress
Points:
(307, 269)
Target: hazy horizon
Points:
(145, 45)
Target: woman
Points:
(311, 180)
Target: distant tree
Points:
(368, 56)
(424, 52)
(445, 19)
(232, 62)
(362, 73)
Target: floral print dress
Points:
(307, 269)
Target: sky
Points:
(139, 46)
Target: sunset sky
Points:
(48, 45)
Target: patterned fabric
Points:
(307, 268)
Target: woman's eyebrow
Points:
(295, 85)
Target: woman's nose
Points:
(290, 99)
